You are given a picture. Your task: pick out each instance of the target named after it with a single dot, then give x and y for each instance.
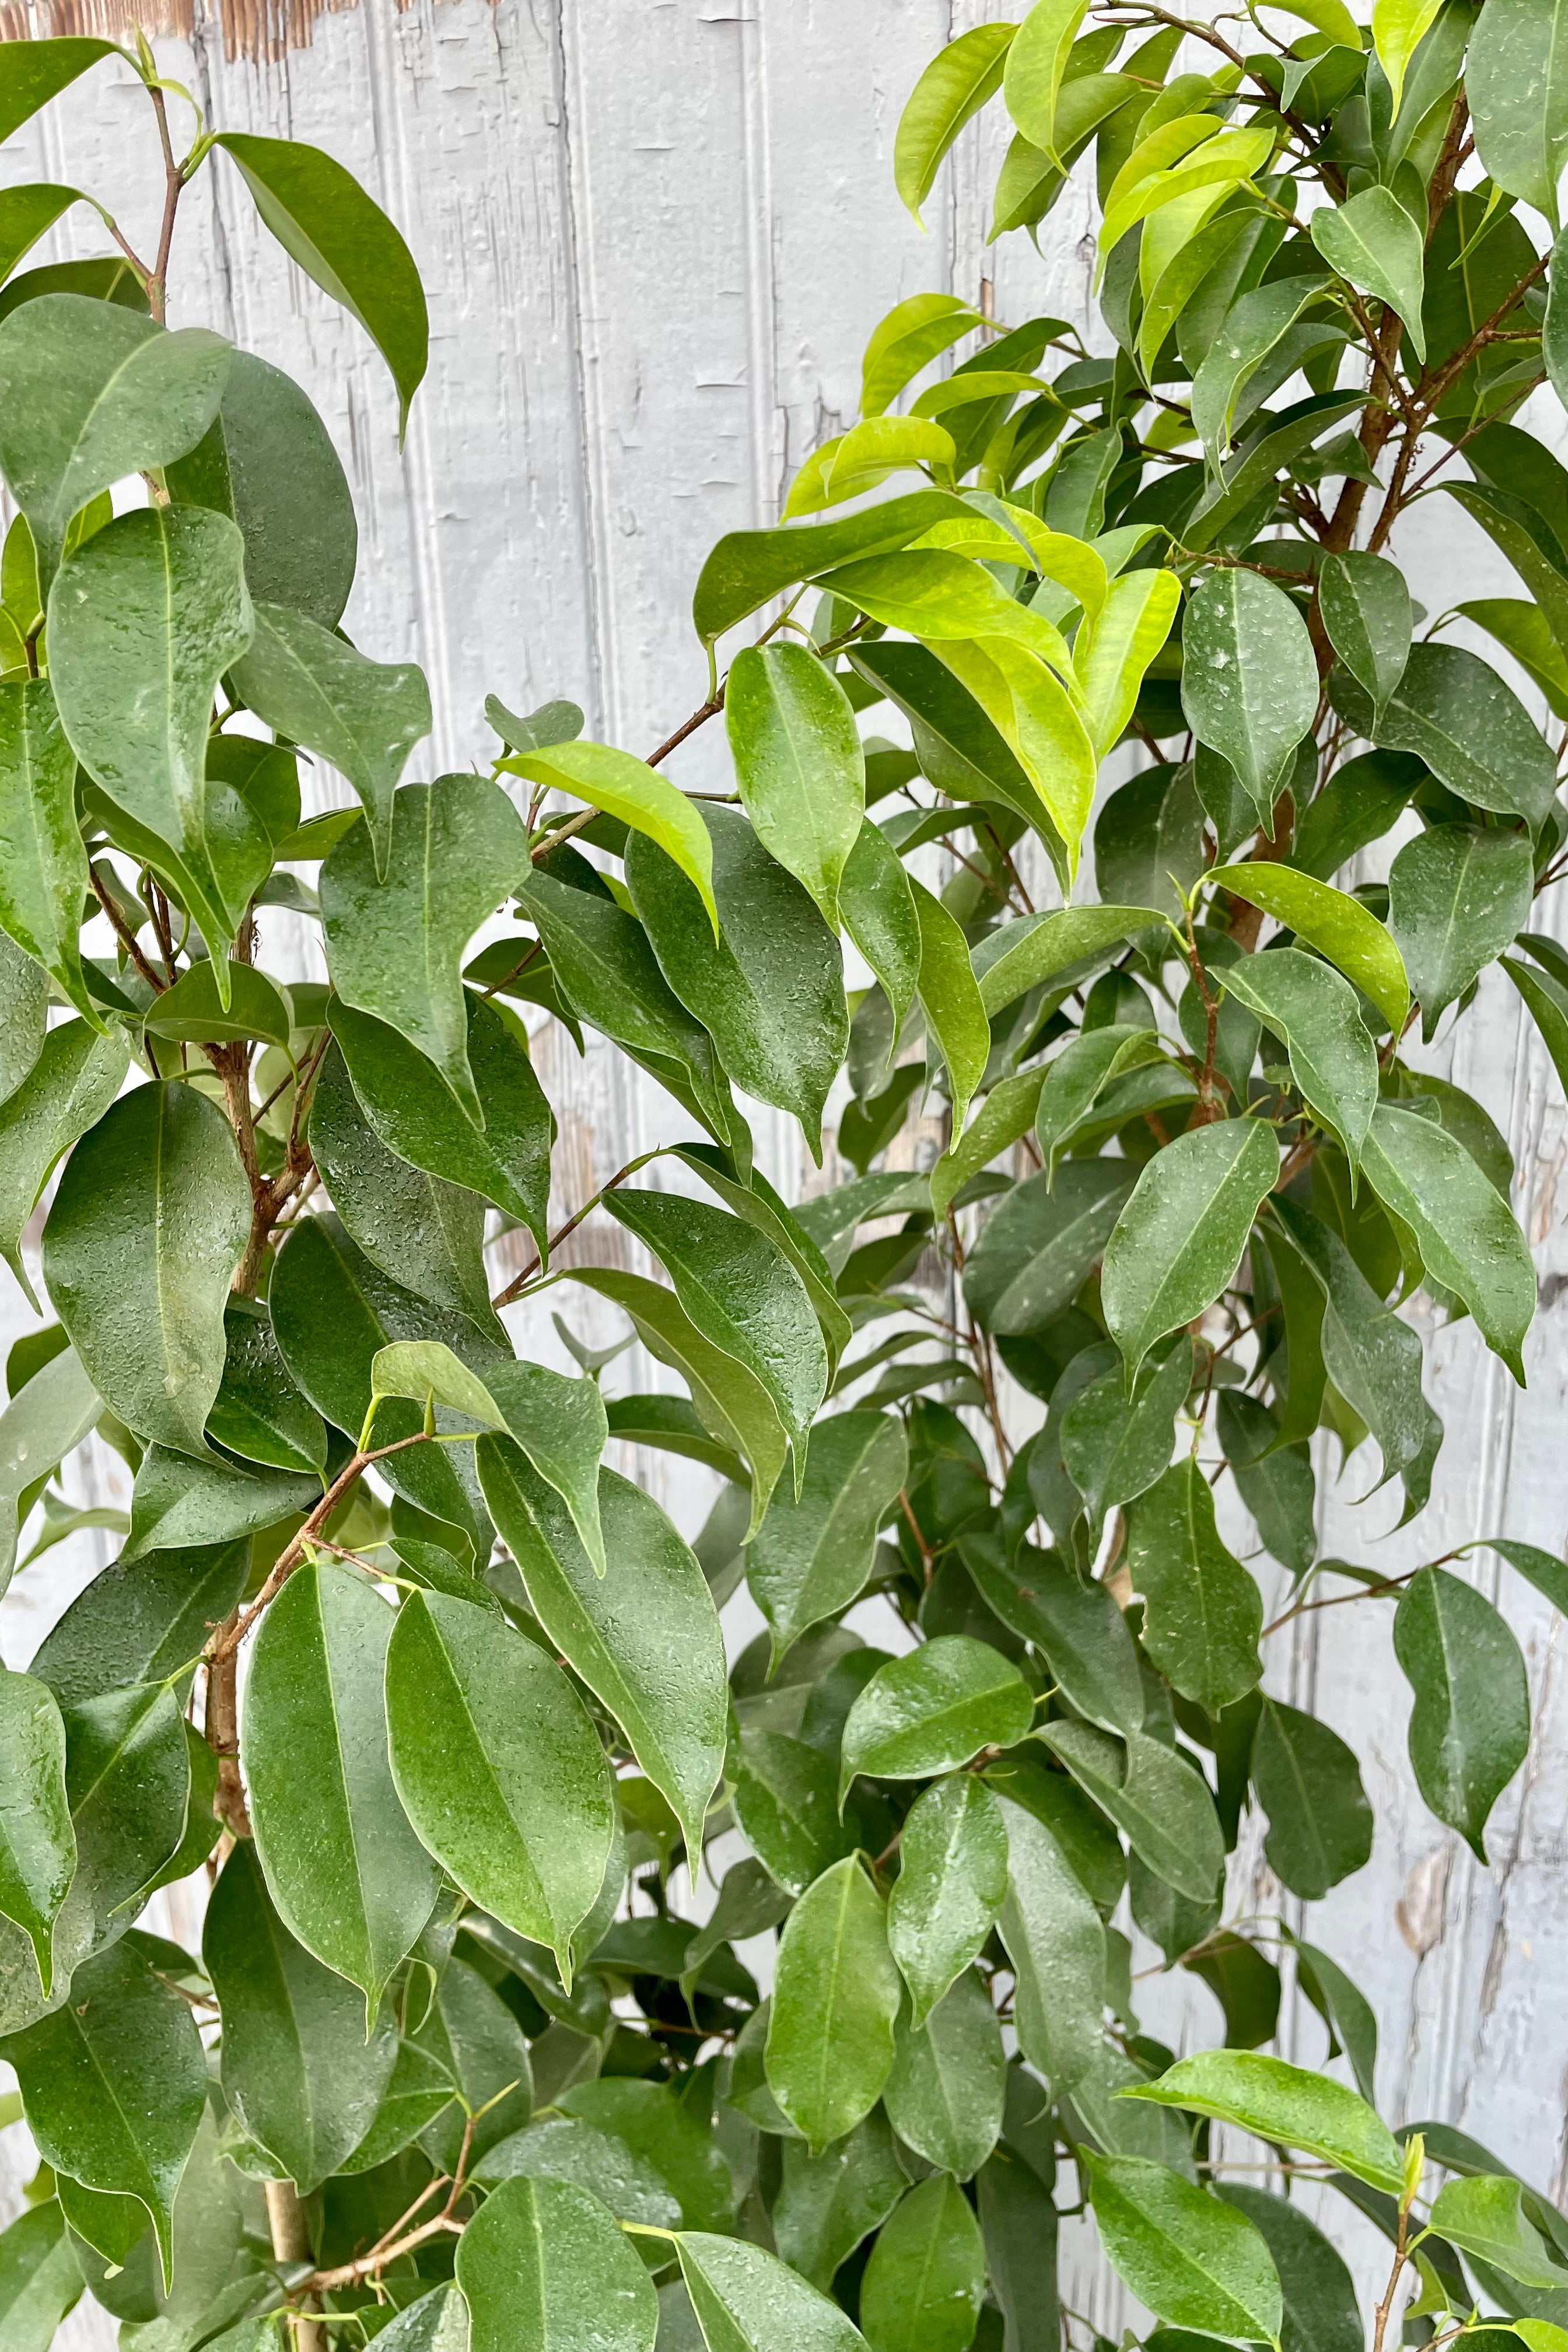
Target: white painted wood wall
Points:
(655, 235)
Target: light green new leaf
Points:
(1398, 28)
(1458, 896)
(1152, 1793)
(924, 2283)
(1204, 1612)
(148, 1225)
(1309, 1784)
(746, 2300)
(1466, 1233)
(1484, 2215)
(1250, 682)
(1195, 2261)
(1516, 80)
(1469, 1728)
(1036, 68)
(799, 764)
(748, 567)
(1057, 1945)
(643, 1636)
(559, 1422)
(1372, 240)
(743, 1295)
(951, 996)
(498, 1768)
(144, 619)
(68, 1088)
(635, 794)
(324, 221)
(114, 2083)
(543, 2263)
(1289, 2104)
(299, 2070)
(955, 85)
(37, 1842)
(1332, 1058)
(950, 1884)
(394, 948)
(411, 1108)
(1365, 604)
(907, 340)
(364, 716)
(43, 865)
(350, 1878)
(1114, 650)
(837, 1992)
(946, 2094)
(932, 1709)
(44, 1421)
(1337, 924)
(1179, 1240)
(90, 392)
(812, 1556)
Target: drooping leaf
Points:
(1180, 1237)
(746, 2300)
(1018, 2223)
(325, 222)
(1025, 954)
(1114, 1447)
(809, 1559)
(1273, 1478)
(950, 1884)
(877, 908)
(933, 1710)
(1152, 1794)
(1371, 1354)
(828, 2203)
(1518, 100)
(1075, 1625)
(956, 84)
(635, 793)
(835, 1998)
(36, 71)
(1337, 924)
(1484, 2215)
(1332, 1058)
(40, 2278)
(1454, 710)
(1286, 2104)
(1321, 2310)
(1114, 651)
(799, 763)
(1057, 1945)
(1372, 240)
(43, 865)
(47, 1420)
(1309, 1783)
(1466, 1231)
(1204, 1611)
(1191, 2259)
(946, 2094)
(394, 948)
(1250, 684)
(1469, 1728)
(748, 567)
(479, 2046)
(37, 1842)
(1456, 897)
(786, 1805)
(1038, 1245)
(498, 1768)
(147, 1227)
(923, 2286)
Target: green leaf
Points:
(37, 1842)
(1113, 650)
(364, 716)
(140, 1622)
(1286, 2103)
(1469, 1728)
(746, 568)
(1036, 68)
(1038, 1247)
(953, 88)
(945, 2097)
(394, 948)
(769, 988)
(933, 1710)
(479, 2046)
(951, 1881)
(268, 461)
(1545, 995)
(543, 2257)
(299, 2070)
(1484, 2215)
(1274, 1479)
(144, 619)
(1332, 1058)
(799, 764)
(190, 1012)
(32, 72)
(1178, 1241)
(148, 1225)
(558, 1422)
(1056, 1943)
(1250, 684)
(43, 865)
(1018, 2222)
(350, 1879)
(114, 2085)
(1309, 1783)
(1364, 602)
(1077, 1077)
(1453, 710)
(417, 2091)
(828, 2203)
(260, 1414)
(638, 796)
(1256, 328)
(785, 1803)
(1190, 2258)
(950, 993)
(1372, 240)
(1337, 926)
(912, 334)
(72, 1083)
(1155, 1796)
(1076, 1625)
(1007, 1113)
(431, 1232)
(835, 1998)
(325, 222)
(498, 1768)
(1372, 1357)
(1456, 897)
(877, 908)
(1465, 1229)
(1321, 2309)
(1204, 1612)
(740, 1293)
(924, 2283)
(89, 393)
(44, 1421)
(40, 2279)
(746, 2300)
(1518, 93)
(811, 1557)
(645, 1637)
(653, 2122)
(1026, 954)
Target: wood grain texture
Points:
(656, 234)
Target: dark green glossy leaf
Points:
(1273, 1480)
(258, 1412)
(1466, 1231)
(1180, 1237)
(1188, 2257)
(944, 2096)
(1309, 1784)
(1457, 896)
(1155, 1796)
(810, 1559)
(546, 2257)
(1204, 1612)
(923, 2287)
(835, 1999)
(828, 2203)
(1074, 1623)
(37, 1840)
(1321, 2310)
(1250, 684)
(1038, 1247)
(1453, 710)
(787, 1804)
(1057, 1945)
(932, 1709)
(43, 865)
(1332, 1059)
(177, 1503)
(139, 1623)
(748, 2301)
(951, 1881)
(479, 2046)
(1470, 1725)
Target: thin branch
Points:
(520, 1282)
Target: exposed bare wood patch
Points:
(260, 30)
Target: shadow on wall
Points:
(257, 29)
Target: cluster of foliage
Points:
(454, 2064)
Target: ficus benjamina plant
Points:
(434, 1704)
